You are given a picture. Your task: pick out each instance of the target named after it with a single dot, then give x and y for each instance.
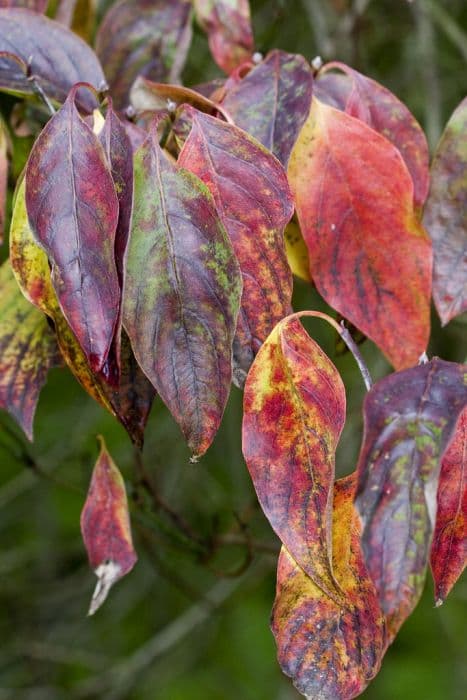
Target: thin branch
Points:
(38, 88)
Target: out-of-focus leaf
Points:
(273, 101)
(146, 94)
(293, 415)
(58, 58)
(132, 401)
(228, 26)
(251, 193)
(143, 37)
(28, 349)
(182, 293)
(105, 526)
(331, 650)
(409, 419)
(297, 252)
(3, 176)
(36, 5)
(449, 547)
(445, 217)
(73, 210)
(79, 15)
(354, 199)
(385, 113)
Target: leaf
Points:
(409, 419)
(143, 37)
(272, 102)
(385, 113)
(330, 650)
(105, 526)
(228, 26)
(354, 200)
(182, 293)
(58, 58)
(73, 211)
(79, 15)
(3, 176)
(293, 415)
(445, 218)
(297, 252)
(449, 546)
(28, 350)
(252, 197)
(132, 400)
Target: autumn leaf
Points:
(354, 200)
(143, 37)
(105, 526)
(272, 101)
(449, 546)
(252, 197)
(182, 294)
(297, 252)
(409, 420)
(445, 218)
(228, 26)
(3, 176)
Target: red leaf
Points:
(105, 526)
(263, 102)
(228, 26)
(73, 211)
(354, 199)
(252, 197)
(445, 218)
(449, 547)
(409, 419)
(293, 415)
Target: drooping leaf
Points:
(182, 293)
(251, 193)
(445, 217)
(228, 26)
(330, 650)
(28, 349)
(293, 415)
(36, 5)
(143, 37)
(409, 419)
(354, 200)
(449, 547)
(58, 58)
(105, 526)
(272, 102)
(73, 210)
(378, 107)
(3, 176)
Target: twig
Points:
(37, 88)
(353, 347)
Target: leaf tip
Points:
(107, 574)
(439, 602)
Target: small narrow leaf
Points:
(251, 193)
(143, 37)
(445, 218)
(73, 211)
(273, 101)
(331, 651)
(105, 526)
(449, 547)
(409, 419)
(182, 293)
(354, 199)
(293, 415)
(228, 26)
(28, 349)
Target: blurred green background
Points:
(191, 621)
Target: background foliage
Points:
(191, 620)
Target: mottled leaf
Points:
(143, 37)
(449, 547)
(385, 113)
(28, 349)
(251, 193)
(182, 293)
(293, 415)
(273, 101)
(409, 419)
(228, 26)
(57, 57)
(3, 176)
(73, 210)
(354, 199)
(105, 526)
(445, 217)
(330, 650)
